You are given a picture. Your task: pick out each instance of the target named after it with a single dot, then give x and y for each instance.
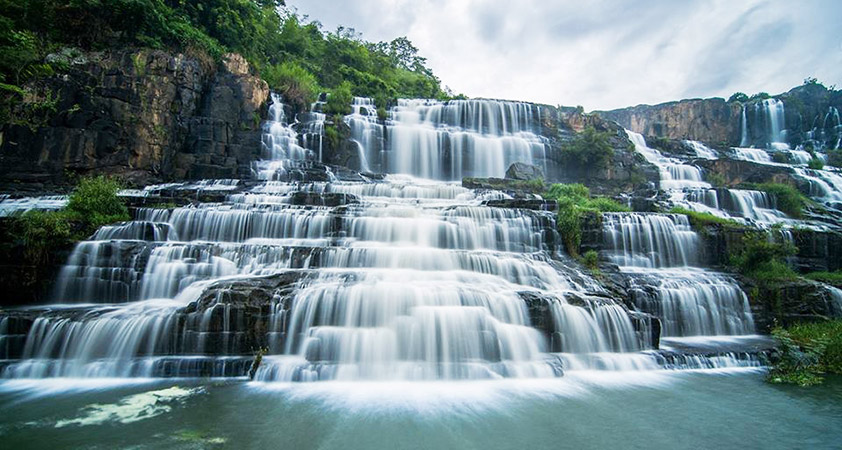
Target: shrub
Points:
(589, 148)
(716, 179)
(42, 233)
(738, 97)
(574, 201)
(339, 100)
(591, 260)
(94, 202)
(298, 86)
(816, 164)
(763, 258)
(806, 351)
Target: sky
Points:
(606, 54)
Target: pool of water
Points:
(689, 410)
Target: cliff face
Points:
(807, 114)
(710, 120)
(145, 116)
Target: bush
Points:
(788, 198)
(296, 84)
(716, 179)
(591, 260)
(42, 233)
(763, 258)
(339, 100)
(806, 351)
(574, 201)
(94, 202)
(589, 148)
(816, 164)
(738, 97)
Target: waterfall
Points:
(771, 113)
(674, 174)
(366, 133)
(745, 141)
(446, 141)
(752, 154)
(702, 150)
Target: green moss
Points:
(806, 351)
(701, 220)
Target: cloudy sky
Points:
(604, 54)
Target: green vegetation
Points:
(780, 157)
(763, 258)
(92, 204)
(816, 164)
(806, 351)
(589, 149)
(716, 179)
(833, 278)
(738, 97)
(296, 57)
(788, 198)
(701, 220)
(590, 259)
(574, 202)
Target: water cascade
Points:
(449, 140)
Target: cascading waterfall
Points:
(449, 140)
(702, 150)
(365, 131)
(771, 114)
(745, 141)
(690, 301)
(396, 279)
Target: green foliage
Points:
(788, 198)
(574, 202)
(296, 57)
(590, 148)
(780, 157)
(716, 179)
(591, 260)
(701, 220)
(834, 278)
(339, 100)
(298, 86)
(763, 258)
(42, 233)
(816, 164)
(738, 97)
(95, 203)
(806, 351)
(760, 96)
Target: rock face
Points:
(145, 116)
(521, 171)
(809, 118)
(710, 120)
(787, 303)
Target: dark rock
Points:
(525, 172)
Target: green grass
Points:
(701, 220)
(834, 278)
(806, 352)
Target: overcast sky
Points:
(605, 54)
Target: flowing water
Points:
(384, 304)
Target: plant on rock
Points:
(574, 202)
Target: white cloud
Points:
(606, 54)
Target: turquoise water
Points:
(688, 410)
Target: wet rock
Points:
(525, 172)
(785, 303)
